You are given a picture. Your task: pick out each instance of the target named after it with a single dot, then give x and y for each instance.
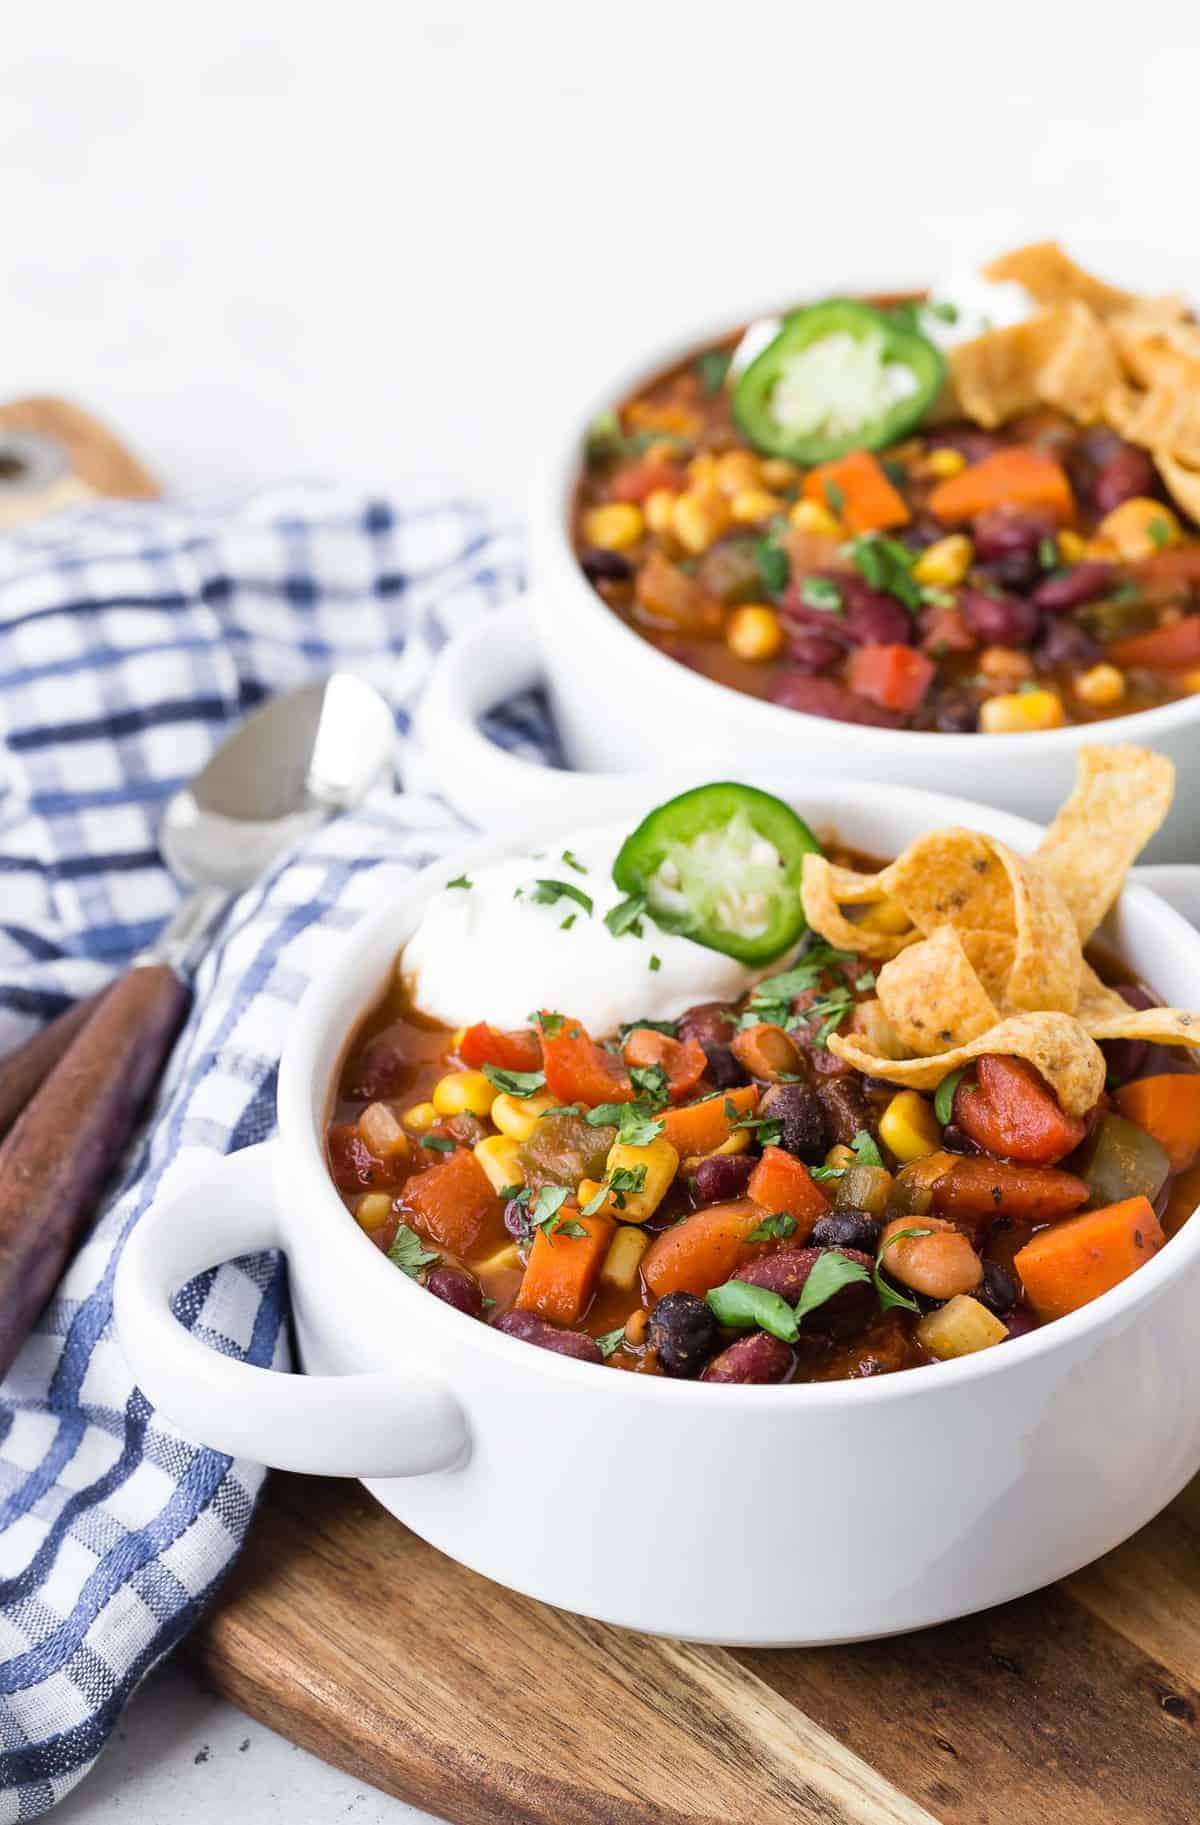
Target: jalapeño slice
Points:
(721, 865)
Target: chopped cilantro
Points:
(769, 1129)
(711, 368)
(888, 1296)
(655, 963)
(830, 1273)
(772, 999)
(669, 1027)
(634, 1122)
(610, 1342)
(864, 1149)
(544, 1215)
(551, 1024)
(886, 565)
(566, 924)
(546, 893)
(742, 1306)
(1159, 533)
(409, 1253)
(835, 498)
(821, 593)
(515, 1083)
(943, 310)
(821, 1175)
(771, 1228)
(1048, 553)
(943, 1102)
(626, 916)
(437, 1143)
(774, 566)
(460, 880)
(650, 1082)
(572, 861)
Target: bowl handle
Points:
(496, 658)
(1178, 883)
(383, 1424)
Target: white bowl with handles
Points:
(622, 706)
(754, 1515)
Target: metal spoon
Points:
(282, 773)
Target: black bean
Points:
(846, 1106)
(998, 1289)
(956, 714)
(532, 1329)
(847, 1229)
(684, 1333)
(603, 566)
(722, 1177)
(1063, 642)
(954, 1140)
(804, 1126)
(725, 1070)
(458, 1288)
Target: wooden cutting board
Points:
(353, 1637)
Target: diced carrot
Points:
(636, 480)
(866, 500)
(977, 1187)
(1021, 475)
(780, 1182)
(684, 1061)
(703, 1127)
(577, 1069)
(1162, 647)
(1013, 1113)
(675, 602)
(766, 1050)
(1167, 1107)
(704, 1250)
(453, 1203)
(560, 1276)
(1073, 1262)
(894, 677)
(485, 1045)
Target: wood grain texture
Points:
(355, 1638)
(98, 458)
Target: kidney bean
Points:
(1082, 583)
(923, 530)
(757, 1358)
(684, 1333)
(722, 1177)
(1127, 472)
(516, 1220)
(379, 1072)
(998, 620)
(956, 714)
(848, 1229)
(801, 1114)
(602, 566)
(787, 1272)
(793, 690)
(1019, 571)
(532, 1329)
(709, 1023)
(1004, 530)
(812, 652)
(1063, 642)
(846, 1106)
(1020, 1321)
(458, 1288)
(997, 1290)
(942, 630)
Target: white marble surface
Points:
(371, 240)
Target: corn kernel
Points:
(421, 1117)
(501, 1262)
(944, 463)
(464, 1093)
(373, 1210)
(886, 916)
(812, 516)
(1100, 687)
(382, 1132)
(499, 1157)
(517, 1116)
(1005, 665)
(699, 517)
(660, 1161)
(658, 508)
(624, 1257)
(702, 470)
(777, 472)
(909, 1127)
(754, 632)
(1102, 550)
(841, 1156)
(1139, 527)
(736, 471)
(637, 1322)
(945, 562)
(614, 526)
(752, 505)
(1070, 546)
(1019, 712)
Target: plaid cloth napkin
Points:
(132, 639)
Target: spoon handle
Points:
(71, 1135)
(22, 1071)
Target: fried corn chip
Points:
(1121, 797)
(822, 888)
(1062, 357)
(1183, 484)
(1050, 276)
(932, 997)
(1079, 367)
(1055, 1044)
(1153, 337)
(1165, 417)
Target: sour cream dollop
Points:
(491, 951)
(966, 305)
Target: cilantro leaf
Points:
(835, 498)
(547, 893)
(1159, 533)
(515, 1083)
(655, 963)
(711, 367)
(409, 1253)
(650, 1082)
(943, 1102)
(668, 1027)
(551, 1024)
(886, 565)
(610, 1341)
(772, 1228)
(437, 1143)
(460, 880)
(821, 1175)
(864, 1149)
(742, 1306)
(572, 861)
(774, 566)
(888, 1296)
(626, 916)
(830, 1273)
(821, 593)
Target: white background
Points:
(380, 240)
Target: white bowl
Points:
(622, 705)
(756, 1515)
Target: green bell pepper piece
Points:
(839, 376)
(722, 865)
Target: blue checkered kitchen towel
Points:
(133, 637)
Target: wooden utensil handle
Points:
(64, 1145)
(23, 1071)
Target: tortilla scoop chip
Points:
(825, 889)
(1050, 276)
(1121, 797)
(1079, 367)
(951, 877)
(1183, 483)
(995, 376)
(933, 997)
(1165, 417)
(1055, 1044)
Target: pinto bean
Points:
(532, 1329)
(458, 1288)
(938, 1265)
(757, 1358)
